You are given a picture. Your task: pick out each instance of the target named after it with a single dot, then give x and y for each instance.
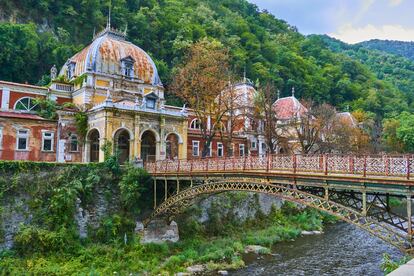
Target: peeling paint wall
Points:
(34, 153)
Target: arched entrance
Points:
(172, 146)
(122, 139)
(94, 146)
(148, 146)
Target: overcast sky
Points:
(349, 20)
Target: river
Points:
(343, 249)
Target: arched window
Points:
(195, 124)
(26, 104)
(220, 126)
(74, 144)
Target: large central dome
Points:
(105, 54)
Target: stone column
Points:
(182, 152)
(137, 141)
(161, 151)
(86, 151)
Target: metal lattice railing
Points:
(369, 165)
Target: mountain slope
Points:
(392, 68)
(267, 48)
(401, 48)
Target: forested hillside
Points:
(394, 69)
(401, 48)
(268, 49)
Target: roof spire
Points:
(126, 29)
(244, 74)
(278, 94)
(108, 24)
(293, 91)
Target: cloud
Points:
(395, 2)
(351, 34)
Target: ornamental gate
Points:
(355, 189)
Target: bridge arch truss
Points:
(369, 212)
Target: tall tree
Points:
(274, 132)
(200, 81)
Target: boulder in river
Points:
(308, 233)
(196, 269)
(257, 249)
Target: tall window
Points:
(195, 124)
(127, 65)
(74, 144)
(71, 70)
(128, 72)
(253, 145)
(22, 139)
(196, 148)
(47, 140)
(151, 103)
(241, 150)
(209, 150)
(26, 104)
(231, 149)
(1, 137)
(220, 150)
(263, 147)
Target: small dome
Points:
(240, 95)
(288, 108)
(105, 55)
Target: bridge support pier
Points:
(409, 222)
(178, 185)
(155, 193)
(364, 203)
(326, 194)
(165, 189)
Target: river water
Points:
(342, 249)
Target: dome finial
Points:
(126, 29)
(108, 24)
(293, 91)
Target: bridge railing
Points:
(367, 165)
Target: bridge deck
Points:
(389, 173)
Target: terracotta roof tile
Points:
(19, 115)
(287, 108)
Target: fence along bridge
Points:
(355, 189)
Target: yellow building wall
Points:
(78, 100)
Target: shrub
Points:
(133, 183)
(388, 265)
(33, 239)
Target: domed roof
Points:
(105, 55)
(288, 108)
(241, 95)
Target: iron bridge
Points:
(356, 189)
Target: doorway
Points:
(94, 146)
(122, 139)
(148, 146)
